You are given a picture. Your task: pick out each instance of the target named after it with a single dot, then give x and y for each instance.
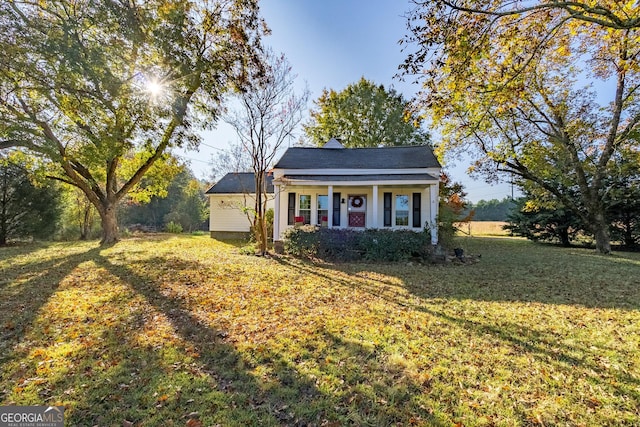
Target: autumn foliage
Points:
(451, 210)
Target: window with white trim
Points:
(305, 208)
(402, 210)
(323, 209)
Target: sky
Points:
(331, 44)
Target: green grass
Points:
(184, 330)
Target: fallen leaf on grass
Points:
(194, 422)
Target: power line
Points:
(191, 158)
(211, 146)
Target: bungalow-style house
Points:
(357, 188)
(231, 201)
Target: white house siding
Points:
(227, 214)
(345, 192)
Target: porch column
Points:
(433, 213)
(330, 206)
(276, 213)
(374, 212)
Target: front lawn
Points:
(187, 331)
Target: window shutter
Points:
(387, 209)
(417, 220)
(336, 210)
(291, 212)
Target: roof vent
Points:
(333, 143)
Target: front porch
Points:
(390, 202)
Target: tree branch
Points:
(576, 10)
(179, 112)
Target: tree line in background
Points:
(490, 210)
(541, 218)
(183, 208)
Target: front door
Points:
(357, 211)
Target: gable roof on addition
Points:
(238, 183)
(403, 157)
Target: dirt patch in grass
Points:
(187, 331)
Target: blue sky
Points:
(330, 44)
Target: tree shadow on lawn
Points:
(21, 248)
(256, 387)
(149, 385)
(22, 296)
(515, 271)
(574, 360)
(538, 272)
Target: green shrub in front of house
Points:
(394, 245)
(309, 242)
(349, 245)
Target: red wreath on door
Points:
(357, 202)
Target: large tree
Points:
(267, 116)
(104, 88)
(512, 87)
(365, 115)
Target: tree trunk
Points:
(563, 233)
(260, 222)
(85, 226)
(261, 235)
(629, 241)
(3, 213)
(601, 233)
(3, 227)
(109, 225)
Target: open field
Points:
(482, 228)
(185, 331)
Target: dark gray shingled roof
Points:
(347, 178)
(358, 158)
(239, 182)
